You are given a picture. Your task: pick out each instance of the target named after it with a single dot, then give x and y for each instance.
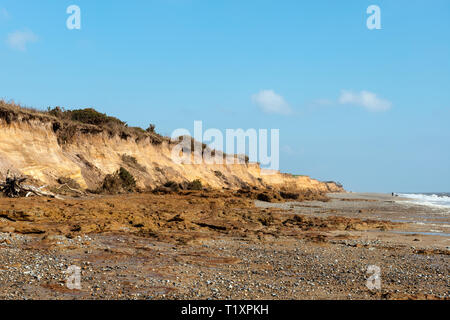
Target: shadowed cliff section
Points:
(84, 146)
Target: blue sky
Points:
(368, 108)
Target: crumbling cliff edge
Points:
(46, 146)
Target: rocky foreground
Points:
(219, 245)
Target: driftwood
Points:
(13, 188)
(71, 189)
(38, 192)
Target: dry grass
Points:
(11, 111)
(67, 123)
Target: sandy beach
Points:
(223, 247)
(418, 220)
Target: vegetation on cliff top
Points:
(88, 116)
(67, 123)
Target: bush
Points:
(289, 195)
(91, 116)
(151, 128)
(127, 178)
(56, 112)
(119, 181)
(172, 185)
(88, 116)
(264, 197)
(64, 133)
(66, 123)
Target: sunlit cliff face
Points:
(31, 148)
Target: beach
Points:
(418, 219)
(224, 246)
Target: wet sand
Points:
(418, 219)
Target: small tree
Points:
(151, 128)
(119, 181)
(128, 181)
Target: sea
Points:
(436, 219)
(436, 200)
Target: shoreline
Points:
(417, 218)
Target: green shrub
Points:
(127, 179)
(119, 181)
(151, 128)
(195, 185)
(91, 116)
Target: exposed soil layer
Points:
(173, 217)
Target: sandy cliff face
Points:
(31, 147)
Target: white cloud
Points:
(19, 40)
(4, 15)
(365, 99)
(270, 102)
(288, 150)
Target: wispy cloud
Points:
(270, 102)
(19, 40)
(288, 150)
(4, 14)
(368, 100)
(321, 103)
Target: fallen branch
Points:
(39, 192)
(71, 189)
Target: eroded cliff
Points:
(46, 148)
